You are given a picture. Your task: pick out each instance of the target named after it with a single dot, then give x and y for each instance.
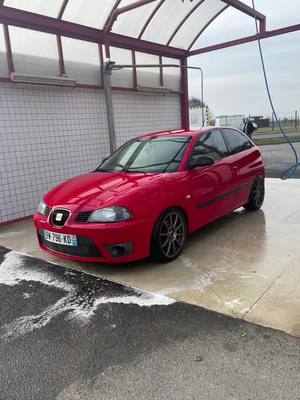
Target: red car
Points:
(150, 194)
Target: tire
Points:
(168, 236)
(257, 194)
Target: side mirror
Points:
(202, 161)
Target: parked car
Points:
(150, 194)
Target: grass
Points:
(276, 140)
(262, 131)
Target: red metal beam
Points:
(161, 72)
(10, 61)
(249, 11)
(184, 20)
(101, 58)
(115, 6)
(185, 120)
(150, 18)
(60, 56)
(134, 71)
(62, 9)
(125, 9)
(206, 26)
(265, 35)
(245, 9)
(145, 46)
(24, 19)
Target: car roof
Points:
(179, 132)
(185, 132)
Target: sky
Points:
(233, 79)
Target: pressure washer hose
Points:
(292, 169)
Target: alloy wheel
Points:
(172, 234)
(258, 191)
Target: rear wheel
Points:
(169, 236)
(257, 194)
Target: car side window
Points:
(237, 141)
(211, 144)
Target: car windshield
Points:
(151, 155)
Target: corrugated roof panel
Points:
(132, 22)
(167, 18)
(196, 22)
(92, 13)
(48, 8)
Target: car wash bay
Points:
(220, 322)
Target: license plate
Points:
(60, 238)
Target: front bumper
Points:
(112, 243)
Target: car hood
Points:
(97, 189)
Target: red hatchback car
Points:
(150, 194)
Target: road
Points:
(278, 158)
(66, 335)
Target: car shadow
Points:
(239, 225)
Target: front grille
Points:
(83, 216)
(85, 247)
(47, 211)
(59, 217)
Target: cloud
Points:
(233, 77)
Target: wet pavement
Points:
(278, 158)
(67, 335)
(245, 265)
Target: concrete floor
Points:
(245, 265)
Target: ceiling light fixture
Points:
(45, 80)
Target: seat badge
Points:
(58, 217)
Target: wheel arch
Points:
(155, 226)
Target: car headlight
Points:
(42, 208)
(110, 214)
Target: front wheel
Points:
(169, 236)
(257, 194)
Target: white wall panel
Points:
(50, 134)
(138, 113)
(46, 136)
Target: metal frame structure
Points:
(59, 27)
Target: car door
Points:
(209, 187)
(246, 165)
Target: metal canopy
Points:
(150, 25)
(165, 27)
(169, 29)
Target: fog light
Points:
(120, 249)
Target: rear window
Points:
(237, 141)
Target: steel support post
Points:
(106, 75)
(185, 121)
